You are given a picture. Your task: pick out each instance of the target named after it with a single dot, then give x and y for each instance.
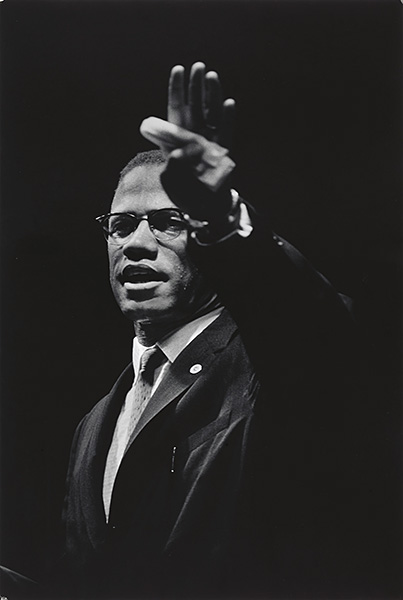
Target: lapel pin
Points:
(195, 369)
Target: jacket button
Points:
(195, 369)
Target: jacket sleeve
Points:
(274, 293)
(316, 443)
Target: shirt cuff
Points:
(236, 222)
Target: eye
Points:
(120, 226)
(168, 222)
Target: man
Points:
(236, 465)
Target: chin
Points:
(150, 311)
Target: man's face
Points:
(152, 281)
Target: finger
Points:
(192, 152)
(226, 131)
(213, 99)
(167, 135)
(196, 96)
(176, 96)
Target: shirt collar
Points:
(173, 344)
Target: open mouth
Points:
(132, 276)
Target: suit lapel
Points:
(191, 364)
(98, 436)
(181, 375)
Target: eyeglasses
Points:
(166, 224)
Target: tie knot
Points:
(149, 361)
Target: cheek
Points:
(111, 257)
(185, 272)
(112, 261)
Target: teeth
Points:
(139, 276)
(140, 279)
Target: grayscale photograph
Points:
(201, 300)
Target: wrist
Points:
(192, 196)
(220, 226)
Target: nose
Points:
(141, 243)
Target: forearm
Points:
(273, 292)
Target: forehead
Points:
(141, 191)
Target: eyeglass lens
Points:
(165, 224)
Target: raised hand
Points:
(199, 107)
(196, 139)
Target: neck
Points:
(149, 333)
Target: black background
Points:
(318, 91)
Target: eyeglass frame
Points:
(190, 224)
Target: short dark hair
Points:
(151, 157)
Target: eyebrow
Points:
(153, 210)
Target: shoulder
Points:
(107, 407)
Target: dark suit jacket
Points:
(173, 496)
(253, 477)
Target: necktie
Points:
(150, 360)
(139, 396)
